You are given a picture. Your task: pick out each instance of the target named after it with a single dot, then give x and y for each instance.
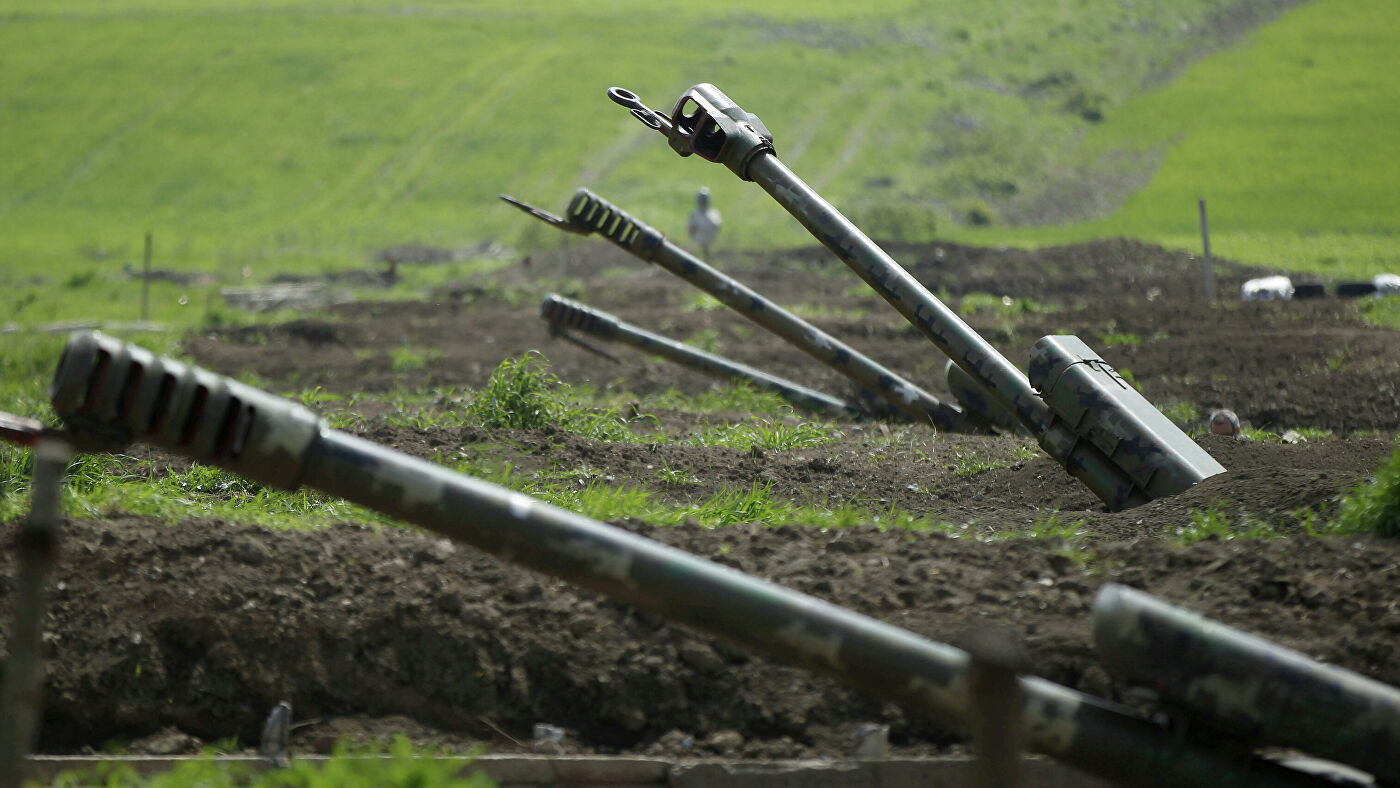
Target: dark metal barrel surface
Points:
(565, 313)
(221, 422)
(589, 211)
(991, 371)
(1247, 686)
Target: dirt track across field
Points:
(201, 628)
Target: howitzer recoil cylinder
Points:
(1247, 687)
(116, 391)
(588, 213)
(714, 127)
(563, 313)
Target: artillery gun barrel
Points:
(563, 313)
(589, 213)
(708, 123)
(112, 391)
(1246, 686)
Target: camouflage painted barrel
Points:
(564, 313)
(589, 213)
(119, 391)
(1246, 686)
(709, 124)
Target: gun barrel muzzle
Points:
(1247, 686)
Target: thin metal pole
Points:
(996, 708)
(146, 280)
(38, 547)
(1205, 245)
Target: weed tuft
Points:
(1181, 412)
(1374, 507)
(767, 436)
(517, 396)
(522, 394)
(1216, 522)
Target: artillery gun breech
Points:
(563, 313)
(120, 392)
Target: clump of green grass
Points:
(412, 359)
(819, 311)
(98, 485)
(970, 463)
(739, 397)
(676, 477)
(754, 505)
(1313, 433)
(705, 339)
(702, 302)
(1384, 312)
(518, 396)
(1373, 507)
(757, 433)
(1068, 536)
(404, 767)
(1337, 359)
(1120, 339)
(1259, 434)
(522, 394)
(1217, 522)
(1181, 412)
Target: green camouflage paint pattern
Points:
(728, 136)
(1246, 687)
(794, 628)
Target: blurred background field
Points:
(256, 138)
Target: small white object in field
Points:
(872, 742)
(1267, 288)
(1224, 422)
(548, 738)
(276, 736)
(1386, 284)
(704, 222)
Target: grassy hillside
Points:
(1293, 138)
(278, 135)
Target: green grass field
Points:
(1293, 138)
(257, 137)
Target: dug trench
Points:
(165, 636)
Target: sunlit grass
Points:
(253, 138)
(401, 766)
(1288, 137)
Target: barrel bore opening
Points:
(99, 376)
(167, 385)
(191, 425)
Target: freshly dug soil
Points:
(168, 635)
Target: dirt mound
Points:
(203, 626)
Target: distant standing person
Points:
(704, 222)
